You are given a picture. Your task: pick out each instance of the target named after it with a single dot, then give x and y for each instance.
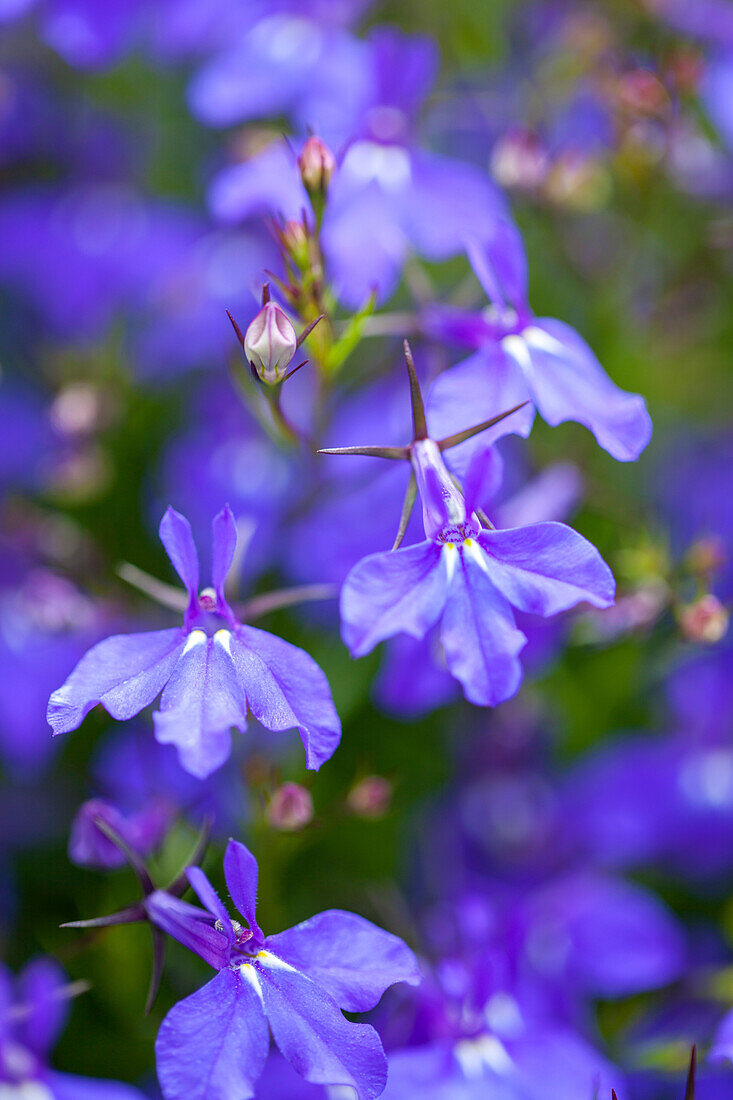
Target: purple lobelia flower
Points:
(529, 357)
(32, 1013)
(387, 195)
(211, 671)
(466, 575)
(213, 1045)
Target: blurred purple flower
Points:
(32, 1015)
(212, 670)
(143, 831)
(296, 982)
(386, 196)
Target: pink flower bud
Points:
(705, 620)
(270, 343)
(371, 797)
(290, 808)
(317, 164)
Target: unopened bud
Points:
(705, 620)
(706, 555)
(270, 343)
(370, 797)
(317, 164)
(290, 808)
(519, 161)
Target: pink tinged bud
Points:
(705, 620)
(518, 160)
(371, 797)
(317, 164)
(290, 808)
(706, 555)
(270, 343)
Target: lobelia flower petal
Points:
(189, 926)
(224, 543)
(348, 956)
(38, 988)
(448, 201)
(209, 898)
(568, 383)
(363, 239)
(177, 538)
(285, 688)
(499, 263)
(431, 1072)
(123, 673)
(480, 484)
(399, 591)
(554, 1063)
(67, 1086)
(480, 638)
(722, 1048)
(546, 568)
(201, 703)
(486, 383)
(240, 873)
(311, 1032)
(213, 1045)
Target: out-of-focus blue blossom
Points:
(46, 624)
(139, 775)
(89, 846)
(664, 800)
(296, 982)
(32, 1015)
(212, 670)
(539, 358)
(81, 256)
(387, 196)
(696, 502)
(471, 1037)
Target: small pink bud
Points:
(706, 555)
(317, 164)
(705, 620)
(370, 797)
(270, 343)
(290, 808)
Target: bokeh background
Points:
(603, 794)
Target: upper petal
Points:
(285, 688)
(479, 635)
(208, 897)
(568, 383)
(177, 538)
(124, 673)
(224, 543)
(213, 1045)
(310, 1031)
(189, 925)
(201, 703)
(39, 990)
(547, 567)
(499, 263)
(348, 956)
(240, 872)
(397, 591)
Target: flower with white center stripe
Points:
(212, 672)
